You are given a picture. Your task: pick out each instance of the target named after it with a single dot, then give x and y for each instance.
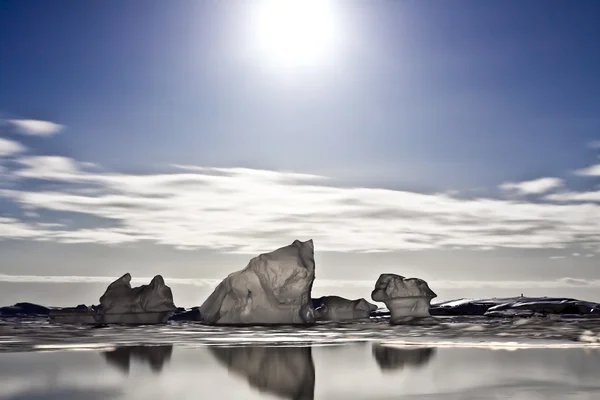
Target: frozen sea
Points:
(447, 358)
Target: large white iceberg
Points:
(335, 308)
(404, 297)
(274, 288)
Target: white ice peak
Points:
(274, 288)
(404, 297)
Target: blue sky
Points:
(475, 125)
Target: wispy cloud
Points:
(593, 170)
(592, 196)
(33, 127)
(594, 144)
(250, 211)
(536, 186)
(10, 148)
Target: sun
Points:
(295, 33)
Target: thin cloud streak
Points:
(593, 170)
(565, 282)
(593, 196)
(33, 127)
(536, 186)
(594, 144)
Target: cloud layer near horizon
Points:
(249, 211)
(565, 282)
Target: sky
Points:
(458, 142)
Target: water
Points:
(348, 371)
(453, 358)
(39, 333)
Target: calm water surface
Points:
(349, 371)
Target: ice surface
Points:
(516, 306)
(335, 308)
(274, 288)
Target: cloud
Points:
(10, 148)
(12, 228)
(593, 170)
(49, 168)
(274, 175)
(250, 211)
(594, 144)
(565, 282)
(593, 196)
(33, 127)
(536, 186)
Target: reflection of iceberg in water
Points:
(390, 358)
(155, 356)
(287, 372)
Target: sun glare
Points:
(296, 33)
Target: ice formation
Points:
(122, 304)
(274, 288)
(335, 308)
(121, 298)
(404, 297)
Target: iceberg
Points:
(122, 304)
(274, 288)
(406, 298)
(121, 298)
(335, 308)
